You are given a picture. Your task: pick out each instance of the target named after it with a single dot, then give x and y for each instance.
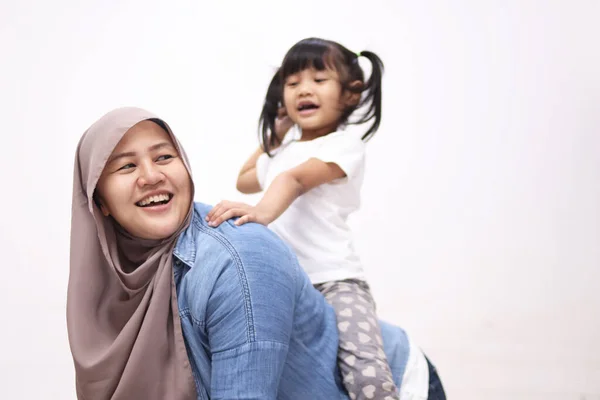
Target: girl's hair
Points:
(322, 54)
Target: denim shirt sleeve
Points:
(249, 313)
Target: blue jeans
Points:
(436, 390)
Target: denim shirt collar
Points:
(185, 248)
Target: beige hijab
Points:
(122, 314)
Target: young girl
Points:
(313, 172)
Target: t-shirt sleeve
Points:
(345, 150)
(262, 166)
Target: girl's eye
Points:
(164, 157)
(320, 80)
(292, 84)
(127, 166)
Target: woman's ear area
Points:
(104, 210)
(353, 92)
(100, 204)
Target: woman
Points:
(162, 306)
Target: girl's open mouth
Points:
(306, 106)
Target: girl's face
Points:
(312, 100)
(145, 185)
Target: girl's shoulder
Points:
(341, 142)
(341, 138)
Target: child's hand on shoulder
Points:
(228, 209)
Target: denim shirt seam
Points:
(296, 266)
(184, 312)
(256, 342)
(250, 331)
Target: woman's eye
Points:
(127, 166)
(164, 157)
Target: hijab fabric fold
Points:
(122, 315)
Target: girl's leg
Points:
(365, 370)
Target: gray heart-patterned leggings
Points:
(365, 370)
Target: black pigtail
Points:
(372, 89)
(266, 123)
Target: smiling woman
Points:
(145, 184)
(119, 306)
(162, 306)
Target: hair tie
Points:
(358, 54)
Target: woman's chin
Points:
(156, 231)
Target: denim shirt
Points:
(254, 326)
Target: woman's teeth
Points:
(154, 199)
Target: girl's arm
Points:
(286, 188)
(247, 182)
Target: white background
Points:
(480, 228)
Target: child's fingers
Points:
(281, 112)
(287, 123)
(248, 217)
(244, 219)
(282, 125)
(220, 208)
(227, 214)
(216, 210)
(210, 213)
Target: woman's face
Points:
(145, 186)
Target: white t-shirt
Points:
(315, 225)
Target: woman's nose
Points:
(150, 175)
